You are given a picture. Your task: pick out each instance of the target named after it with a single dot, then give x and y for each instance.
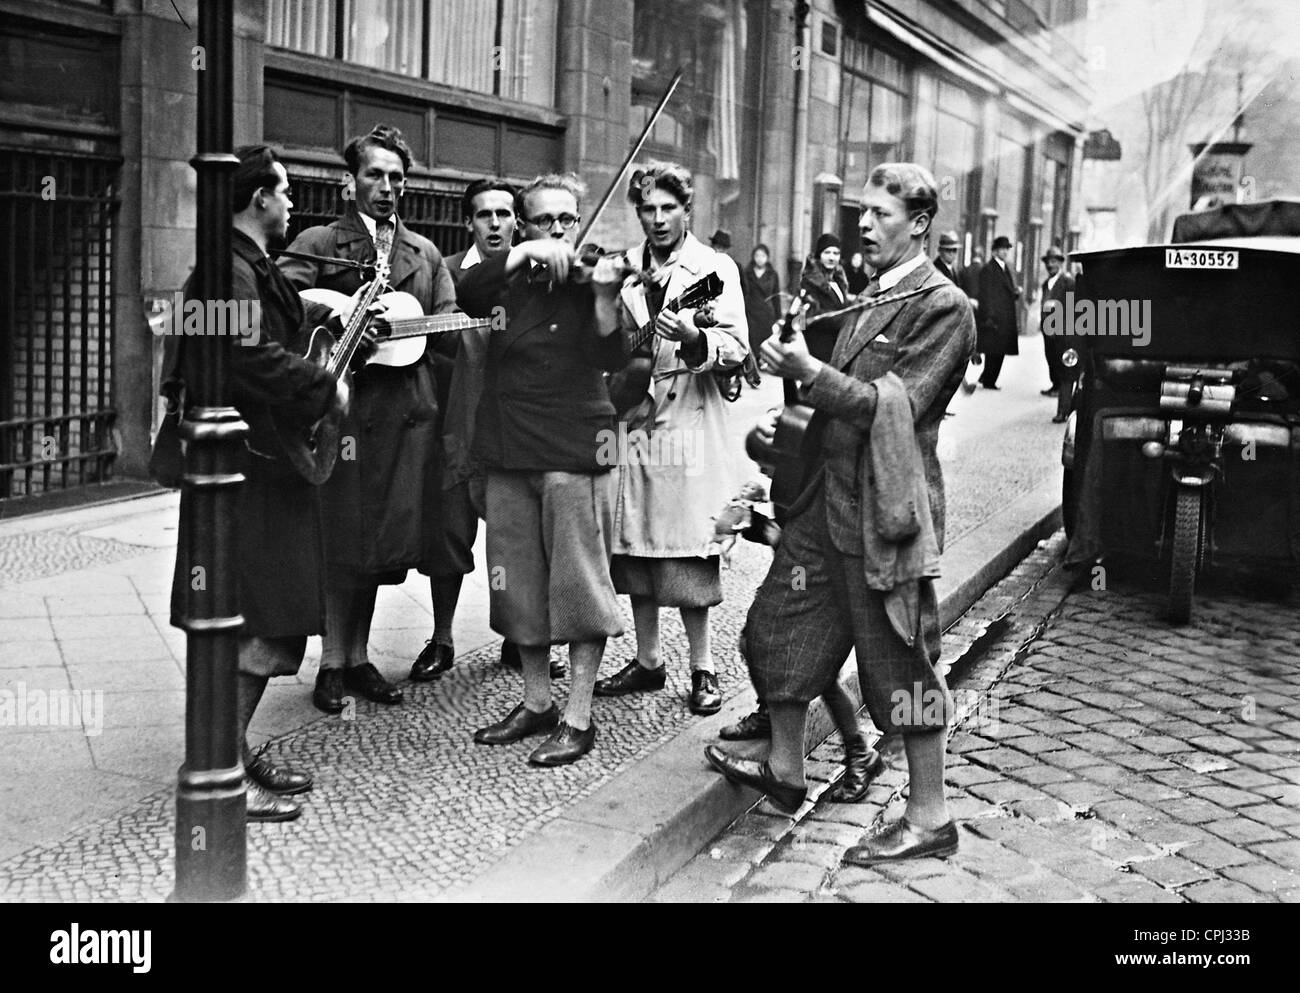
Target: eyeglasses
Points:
(546, 221)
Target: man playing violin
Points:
(538, 433)
(381, 504)
(864, 535)
(675, 469)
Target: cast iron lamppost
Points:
(210, 830)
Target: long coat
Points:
(381, 507)
(464, 390)
(675, 467)
(279, 555)
(544, 405)
(999, 314)
(1054, 346)
(762, 302)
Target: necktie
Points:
(383, 238)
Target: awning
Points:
(963, 66)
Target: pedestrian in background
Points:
(946, 260)
(857, 274)
(1055, 287)
(999, 313)
(826, 288)
(762, 289)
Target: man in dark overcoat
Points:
(381, 504)
(999, 313)
(1055, 287)
(279, 555)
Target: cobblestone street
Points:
(1103, 755)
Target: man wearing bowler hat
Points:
(946, 260)
(999, 315)
(1055, 287)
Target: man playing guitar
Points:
(381, 504)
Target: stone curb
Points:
(632, 834)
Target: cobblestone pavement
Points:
(1103, 756)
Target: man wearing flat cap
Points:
(999, 315)
(1055, 287)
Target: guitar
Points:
(314, 450)
(628, 386)
(401, 331)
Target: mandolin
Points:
(628, 386)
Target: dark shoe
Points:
(328, 695)
(706, 698)
(990, 386)
(862, 764)
(632, 678)
(1050, 392)
(262, 805)
(511, 660)
(1058, 419)
(751, 727)
(519, 724)
(901, 840)
(784, 796)
(285, 782)
(432, 662)
(566, 744)
(367, 681)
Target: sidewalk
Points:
(405, 806)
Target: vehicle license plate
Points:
(1200, 258)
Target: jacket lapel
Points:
(405, 257)
(874, 321)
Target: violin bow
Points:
(631, 156)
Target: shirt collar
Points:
(892, 277)
(472, 258)
(369, 222)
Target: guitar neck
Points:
(647, 330)
(415, 327)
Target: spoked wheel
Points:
(1187, 550)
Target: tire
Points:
(1186, 555)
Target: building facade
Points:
(784, 108)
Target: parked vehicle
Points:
(1183, 441)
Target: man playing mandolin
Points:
(381, 503)
(864, 535)
(675, 469)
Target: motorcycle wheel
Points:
(1186, 556)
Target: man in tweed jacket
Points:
(830, 588)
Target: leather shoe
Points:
(902, 840)
(366, 680)
(263, 805)
(432, 662)
(632, 678)
(990, 386)
(1059, 420)
(566, 744)
(271, 777)
(862, 764)
(1050, 392)
(706, 698)
(786, 797)
(751, 727)
(328, 695)
(511, 660)
(520, 723)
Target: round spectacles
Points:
(547, 221)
